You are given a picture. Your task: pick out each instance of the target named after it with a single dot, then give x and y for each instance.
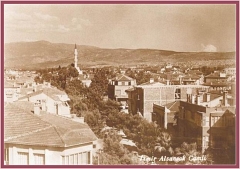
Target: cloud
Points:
(37, 22)
(62, 28)
(79, 21)
(45, 17)
(12, 16)
(208, 48)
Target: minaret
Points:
(76, 60)
(75, 57)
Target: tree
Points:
(113, 151)
(191, 153)
(99, 85)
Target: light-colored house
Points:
(51, 99)
(11, 92)
(33, 137)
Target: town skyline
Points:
(189, 28)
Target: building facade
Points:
(117, 87)
(51, 100)
(142, 97)
(43, 138)
(208, 121)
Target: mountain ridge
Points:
(46, 54)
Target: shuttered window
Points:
(74, 159)
(39, 159)
(23, 158)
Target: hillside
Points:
(42, 54)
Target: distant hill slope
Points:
(42, 54)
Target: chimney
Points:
(198, 99)
(193, 99)
(180, 80)
(34, 88)
(36, 109)
(151, 80)
(168, 82)
(225, 98)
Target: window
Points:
(216, 121)
(75, 159)
(178, 94)
(39, 159)
(63, 160)
(205, 141)
(129, 83)
(84, 158)
(205, 122)
(6, 155)
(23, 158)
(39, 101)
(71, 159)
(79, 158)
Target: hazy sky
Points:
(168, 27)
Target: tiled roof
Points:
(51, 92)
(173, 106)
(195, 72)
(215, 74)
(25, 91)
(152, 84)
(191, 76)
(130, 89)
(21, 126)
(214, 96)
(25, 78)
(122, 77)
(217, 84)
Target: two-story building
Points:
(117, 87)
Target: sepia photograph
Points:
(119, 84)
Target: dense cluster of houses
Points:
(188, 104)
(39, 128)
